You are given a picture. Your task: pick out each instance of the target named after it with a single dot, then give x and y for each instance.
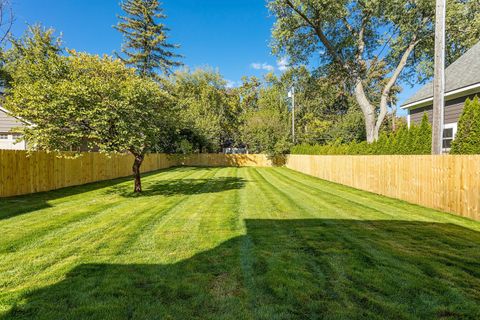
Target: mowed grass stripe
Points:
(160, 208)
(60, 213)
(275, 257)
(80, 240)
(366, 206)
(366, 251)
(287, 238)
(400, 209)
(186, 231)
(89, 217)
(175, 230)
(235, 243)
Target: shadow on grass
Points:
(15, 206)
(285, 269)
(181, 186)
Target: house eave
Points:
(457, 93)
(18, 118)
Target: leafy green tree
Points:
(79, 100)
(248, 93)
(266, 129)
(6, 23)
(146, 45)
(324, 111)
(467, 140)
(208, 112)
(34, 55)
(371, 45)
(349, 127)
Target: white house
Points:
(9, 140)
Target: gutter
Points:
(474, 88)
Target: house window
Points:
(449, 132)
(3, 136)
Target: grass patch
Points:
(233, 243)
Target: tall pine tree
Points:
(145, 44)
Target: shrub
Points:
(422, 143)
(416, 140)
(467, 140)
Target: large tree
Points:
(324, 111)
(146, 45)
(79, 99)
(208, 111)
(266, 126)
(372, 44)
(6, 19)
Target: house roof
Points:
(461, 76)
(10, 114)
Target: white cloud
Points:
(233, 84)
(262, 66)
(283, 64)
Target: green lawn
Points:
(229, 243)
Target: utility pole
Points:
(291, 94)
(439, 79)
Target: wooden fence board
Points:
(23, 173)
(449, 183)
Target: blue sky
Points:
(231, 35)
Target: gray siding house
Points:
(8, 139)
(462, 81)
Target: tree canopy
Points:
(80, 101)
(371, 45)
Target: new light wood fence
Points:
(226, 160)
(448, 183)
(24, 173)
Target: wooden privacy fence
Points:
(24, 173)
(449, 183)
(225, 160)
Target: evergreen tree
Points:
(145, 38)
(423, 139)
(400, 141)
(410, 146)
(467, 140)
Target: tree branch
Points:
(393, 79)
(400, 66)
(318, 32)
(348, 25)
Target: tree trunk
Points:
(136, 172)
(368, 112)
(371, 132)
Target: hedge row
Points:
(416, 140)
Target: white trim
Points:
(409, 120)
(453, 126)
(449, 96)
(18, 118)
